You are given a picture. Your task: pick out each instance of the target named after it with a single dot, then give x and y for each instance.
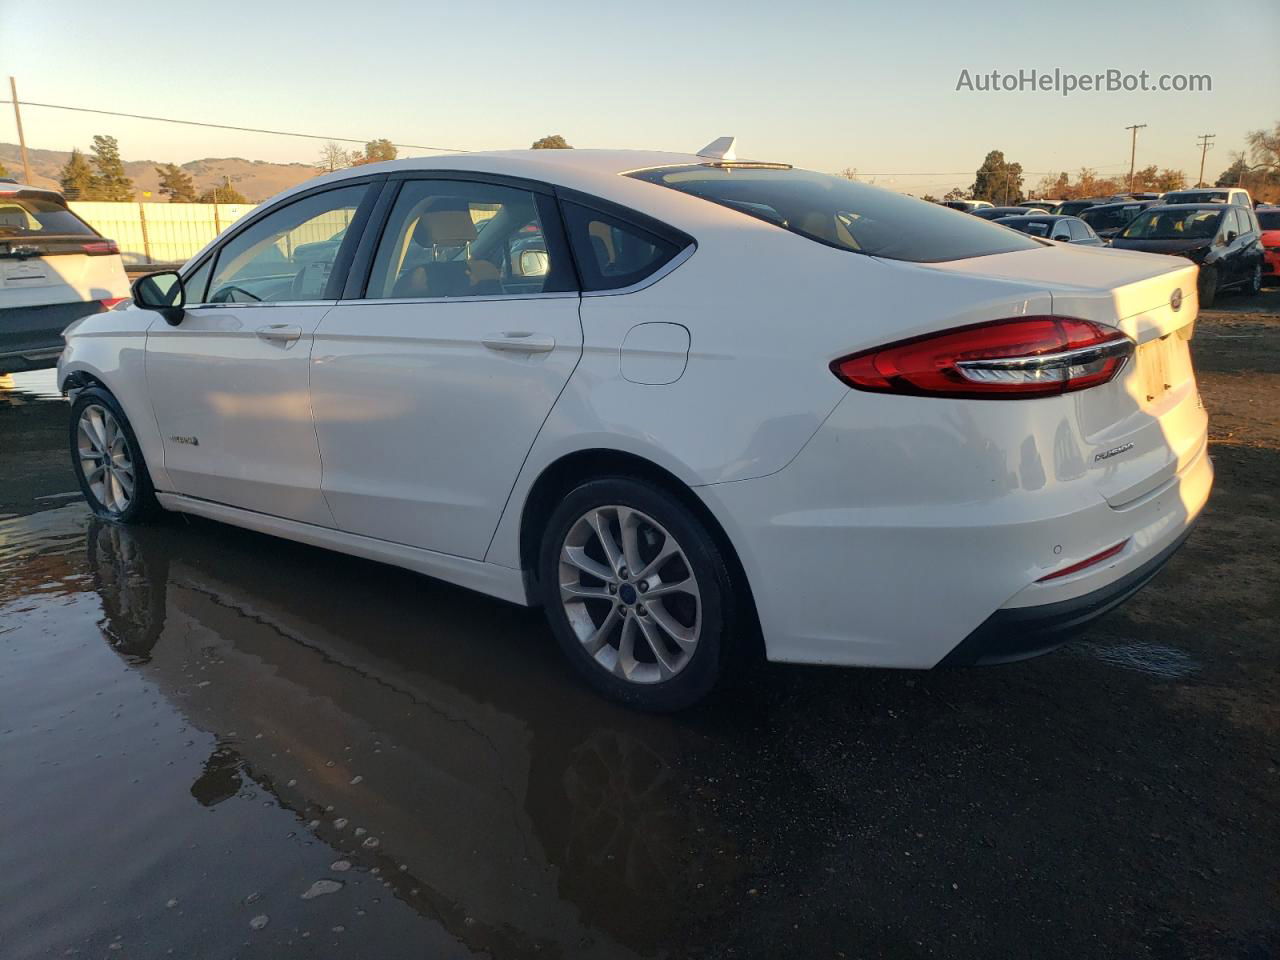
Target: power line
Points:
(224, 126)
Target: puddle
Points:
(1154, 659)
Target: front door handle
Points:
(519, 342)
(284, 333)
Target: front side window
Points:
(1231, 224)
(447, 238)
(842, 213)
(286, 256)
(1079, 231)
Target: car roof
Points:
(8, 185)
(1041, 216)
(1191, 206)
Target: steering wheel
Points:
(224, 294)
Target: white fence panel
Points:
(159, 232)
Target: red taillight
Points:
(100, 248)
(1077, 567)
(111, 302)
(1004, 359)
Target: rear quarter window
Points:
(841, 213)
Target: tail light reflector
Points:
(1083, 564)
(100, 248)
(112, 302)
(1004, 359)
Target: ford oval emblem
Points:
(1175, 301)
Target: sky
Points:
(825, 85)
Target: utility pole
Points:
(1133, 150)
(1204, 142)
(22, 140)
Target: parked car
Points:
(734, 400)
(1108, 219)
(1269, 222)
(1233, 195)
(968, 206)
(1073, 208)
(1062, 229)
(54, 268)
(1046, 205)
(1224, 239)
(995, 213)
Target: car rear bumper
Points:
(31, 337)
(1019, 633)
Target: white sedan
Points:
(679, 401)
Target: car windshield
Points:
(38, 216)
(1174, 225)
(1109, 218)
(1269, 219)
(841, 213)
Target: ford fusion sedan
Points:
(1224, 239)
(681, 402)
(54, 268)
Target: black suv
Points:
(1224, 238)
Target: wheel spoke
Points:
(666, 666)
(577, 557)
(95, 475)
(687, 585)
(580, 591)
(626, 661)
(686, 638)
(86, 431)
(669, 549)
(600, 524)
(600, 638)
(629, 524)
(125, 479)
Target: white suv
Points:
(54, 269)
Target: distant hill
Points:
(256, 179)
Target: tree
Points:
(849, 173)
(334, 157)
(375, 151)
(1170, 179)
(76, 177)
(955, 193)
(223, 193)
(998, 180)
(109, 181)
(1263, 179)
(1234, 175)
(553, 142)
(930, 197)
(176, 182)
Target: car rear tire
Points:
(653, 637)
(1255, 282)
(1208, 286)
(107, 460)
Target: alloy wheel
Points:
(105, 458)
(630, 594)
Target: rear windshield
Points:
(841, 213)
(1037, 228)
(1109, 218)
(1198, 196)
(1168, 224)
(28, 215)
(1269, 219)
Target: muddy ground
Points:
(217, 744)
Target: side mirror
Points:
(1230, 237)
(534, 263)
(164, 293)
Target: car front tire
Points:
(107, 460)
(637, 592)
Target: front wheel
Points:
(1255, 282)
(107, 459)
(637, 593)
(1208, 286)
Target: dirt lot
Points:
(216, 744)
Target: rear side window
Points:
(841, 213)
(612, 252)
(39, 216)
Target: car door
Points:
(229, 382)
(1235, 243)
(431, 383)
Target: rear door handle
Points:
(519, 342)
(279, 333)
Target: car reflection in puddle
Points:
(430, 737)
